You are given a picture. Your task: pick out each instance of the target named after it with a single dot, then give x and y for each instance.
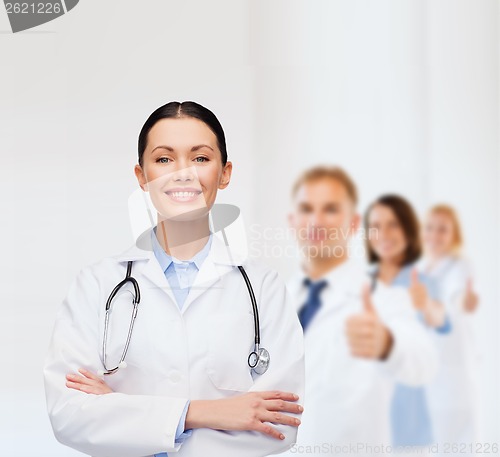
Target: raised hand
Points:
(367, 335)
(418, 292)
(433, 311)
(471, 299)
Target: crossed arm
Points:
(251, 411)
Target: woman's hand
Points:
(249, 411)
(434, 314)
(244, 412)
(471, 299)
(433, 311)
(418, 292)
(88, 383)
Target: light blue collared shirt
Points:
(180, 275)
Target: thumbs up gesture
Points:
(471, 299)
(418, 292)
(433, 311)
(367, 336)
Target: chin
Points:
(185, 214)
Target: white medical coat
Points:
(453, 394)
(198, 353)
(347, 398)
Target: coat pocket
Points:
(230, 341)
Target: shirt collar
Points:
(165, 259)
(344, 276)
(403, 278)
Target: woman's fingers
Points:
(268, 429)
(89, 374)
(280, 418)
(98, 389)
(256, 411)
(80, 379)
(79, 386)
(276, 404)
(89, 389)
(88, 377)
(89, 382)
(284, 406)
(277, 394)
(265, 427)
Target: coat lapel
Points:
(146, 266)
(220, 261)
(153, 273)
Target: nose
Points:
(184, 174)
(385, 234)
(317, 219)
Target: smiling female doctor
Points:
(185, 385)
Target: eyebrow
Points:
(193, 149)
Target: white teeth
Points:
(183, 194)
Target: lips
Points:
(386, 245)
(183, 195)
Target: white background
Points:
(403, 94)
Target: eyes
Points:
(329, 209)
(199, 159)
(332, 209)
(388, 225)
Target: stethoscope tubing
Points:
(137, 298)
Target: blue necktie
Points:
(311, 306)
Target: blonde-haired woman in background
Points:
(452, 396)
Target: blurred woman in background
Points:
(452, 396)
(393, 248)
(443, 240)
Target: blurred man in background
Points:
(357, 344)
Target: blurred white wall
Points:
(403, 94)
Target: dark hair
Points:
(176, 110)
(408, 220)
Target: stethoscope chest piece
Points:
(259, 360)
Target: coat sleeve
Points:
(457, 284)
(281, 335)
(114, 424)
(413, 359)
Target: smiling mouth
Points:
(183, 196)
(319, 234)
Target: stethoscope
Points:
(258, 359)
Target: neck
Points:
(317, 267)
(183, 239)
(433, 259)
(388, 270)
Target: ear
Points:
(141, 177)
(226, 175)
(291, 219)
